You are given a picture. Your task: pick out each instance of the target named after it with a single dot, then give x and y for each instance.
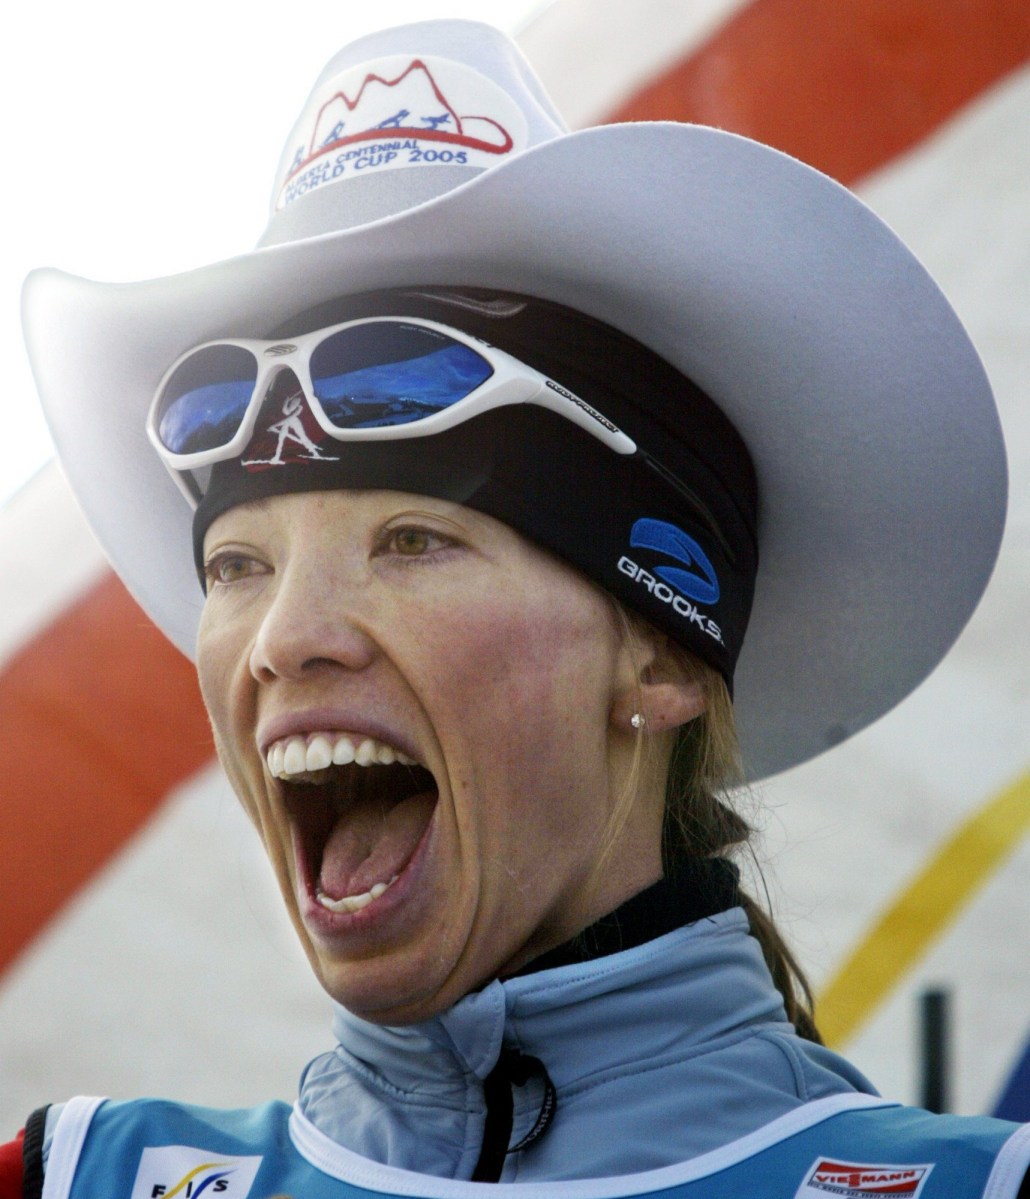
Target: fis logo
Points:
(694, 579)
(853, 1180)
(185, 1172)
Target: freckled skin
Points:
(505, 670)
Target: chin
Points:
(395, 992)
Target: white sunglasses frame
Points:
(511, 382)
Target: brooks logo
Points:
(674, 585)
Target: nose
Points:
(312, 623)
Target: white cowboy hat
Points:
(429, 154)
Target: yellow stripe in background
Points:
(922, 911)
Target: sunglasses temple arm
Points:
(557, 399)
(692, 499)
(187, 485)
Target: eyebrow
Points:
(258, 504)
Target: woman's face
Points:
(475, 680)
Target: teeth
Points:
(299, 759)
(343, 752)
(354, 903)
(320, 753)
(295, 760)
(276, 759)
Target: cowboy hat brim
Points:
(865, 407)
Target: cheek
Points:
(214, 675)
(527, 687)
(496, 656)
(220, 660)
(231, 713)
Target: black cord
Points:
(513, 1069)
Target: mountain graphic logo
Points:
(397, 112)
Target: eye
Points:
(413, 541)
(226, 568)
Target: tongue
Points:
(372, 843)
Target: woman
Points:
(477, 456)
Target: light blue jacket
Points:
(677, 1078)
(657, 1054)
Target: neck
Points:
(690, 890)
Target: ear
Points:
(656, 689)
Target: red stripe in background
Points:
(99, 717)
(844, 86)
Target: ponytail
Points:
(706, 765)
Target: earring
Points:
(638, 720)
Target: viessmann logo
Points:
(859, 1180)
(187, 1172)
(694, 579)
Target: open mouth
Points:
(360, 808)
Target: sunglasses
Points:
(375, 379)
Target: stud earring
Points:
(638, 720)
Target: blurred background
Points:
(142, 949)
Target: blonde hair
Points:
(699, 820)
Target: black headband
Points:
(672, 538)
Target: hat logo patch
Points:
(292, 434)
(400, 112)
(674, 585)
(856, 1180)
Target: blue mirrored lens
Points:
(389, 373)
(204, 401)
